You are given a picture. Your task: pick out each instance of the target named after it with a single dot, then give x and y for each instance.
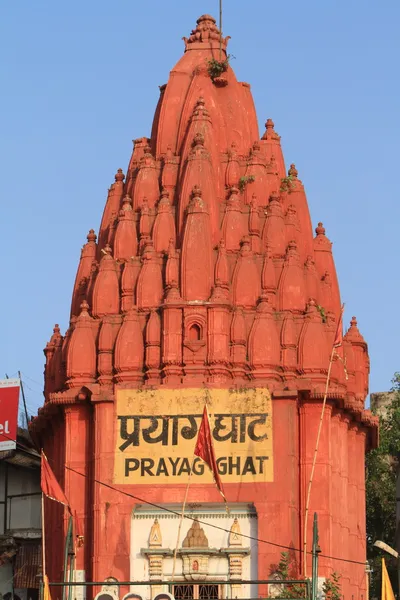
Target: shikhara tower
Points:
(206, 283)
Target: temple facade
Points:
(206, 284)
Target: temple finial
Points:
(119, 175)
(91, 236)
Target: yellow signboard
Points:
(157, 432)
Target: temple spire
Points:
(206, 269)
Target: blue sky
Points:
(80, 81)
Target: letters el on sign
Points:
(156, 432)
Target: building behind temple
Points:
(205, 284)
(20, 521)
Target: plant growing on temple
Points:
(331, 587)
(287, 183)
(243, 181)
(217, 67)
(381, 474)
(322, 312)
(284, 571)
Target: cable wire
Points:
(174, 512)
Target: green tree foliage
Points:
(287, 569)
(381, 476)
(331, 587)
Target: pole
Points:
(315, 551)
(43, 542)
(71, 574)
(313, 464)
(181, 520)
(66, 555)
(23, 399)
(220, 30)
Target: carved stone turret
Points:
(195, 560)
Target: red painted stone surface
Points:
(198, 280)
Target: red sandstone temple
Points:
(205, 284)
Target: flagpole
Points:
(220, 30)
(181, 519)
(43, 542)
(314, 463)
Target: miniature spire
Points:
(196, 263)
(129, 349)
(125, 242)
(130, 275)
(106, 287)
(246, 278)
(235, 535)
(155, 539)
(164, 224)
(361, 361)
(274, 228)
(232, 175)
(170, 173)
(296, 197)
(313, 351)
(291, 289)
(233, 225)
(172, 273)
(105, 351)
(88, 255)
(222, 276)
(199, 173)
(255, 180)
(111, 209)
(324, 263)
(268, 278)
(81, 359)
(150, 283)
(271, 146)
(264, 344)
(146, 184)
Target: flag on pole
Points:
(46, 588)
(339, 330)
(338, 342)
(49, 484)
(205, 450)
(387, 590)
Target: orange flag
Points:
(387, 590)
(205, 450)
(339, 330)
(46, 589)
(49, 484)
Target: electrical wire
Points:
(33, 380)
(190, 518)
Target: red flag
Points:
(50, 486)
(205, 450)
(339, 330)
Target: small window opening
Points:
(195, 333)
